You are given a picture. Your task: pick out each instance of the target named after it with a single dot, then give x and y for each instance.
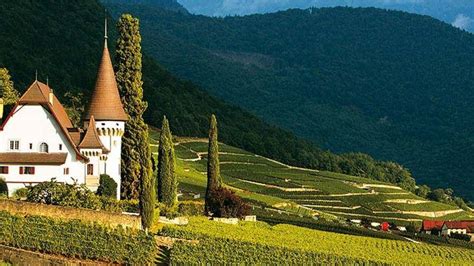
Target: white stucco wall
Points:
(34, 124)
(112, 142)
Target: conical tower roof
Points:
(91, 139)
(105, 104)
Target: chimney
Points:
(51, 97)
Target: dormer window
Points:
(44, 147)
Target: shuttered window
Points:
(4, 170)
(27, 170)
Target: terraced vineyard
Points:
(259, 243)
(305, 191)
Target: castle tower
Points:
(110, 117)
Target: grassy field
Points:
(273, 184)
(261, 243)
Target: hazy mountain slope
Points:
(396, 85)
(456, 12)
(166, 4)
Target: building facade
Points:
(38, 141)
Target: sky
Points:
(459, 13)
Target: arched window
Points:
(44, 147)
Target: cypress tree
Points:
(167, 181)
(213, 170)
(137, 177)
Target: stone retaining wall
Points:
(52, 211)
(22, 257)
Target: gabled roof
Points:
(38, 94)
(105, 104)
(91, 138)
(432, 225)
(34, 158)
(468, 225)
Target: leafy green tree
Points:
(9, 94)
(167, 180)
(107, 186)
(441, 195)
(214, 180)
(137, 175)
(3, 187)
(423, 191)
(74, 104)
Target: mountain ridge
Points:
(456, 12)
(401, 96)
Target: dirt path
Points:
(242, 163)
(278, 187)
(431, 214)
(313, 200)
(200, 155)
(411, 240)
(407, 201)
(364, 186)
(333, 207)
(377, 217)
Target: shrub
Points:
(224, 202)
(72, 195)
(77, 239)
(20, 193)
(3, 187)
(129, 205)
(107, 187)
(78, 196)
(191, 208)
(113, 205)
(168, 212)
(461, 237)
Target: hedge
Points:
(77, 239)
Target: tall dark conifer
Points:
(167, 180)
(213, 169)
(136, 154)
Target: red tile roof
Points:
(38, 93)
(91, 139)
(105, 102)
(33, 158)
(468, 225)
(432, 225)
